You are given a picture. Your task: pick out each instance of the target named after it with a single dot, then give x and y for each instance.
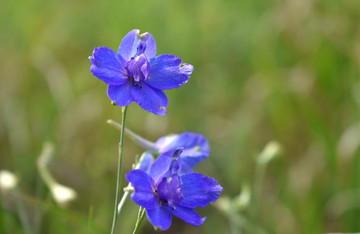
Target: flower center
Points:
(138, 69)
(169, 190)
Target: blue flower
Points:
(145, 161)
(195, 148)
(133, 73)
(163, 191)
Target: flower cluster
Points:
(133, 73)
(168, 185)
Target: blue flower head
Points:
(133, 73)
(163, 191)
(195, 148)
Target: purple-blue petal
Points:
(167, 72)
(192, 157)
(187, 214)
(160, 168)
(199, 190)
(146, 161)
(128, 45)
(134, 44)
(176, 163)
(143, 184)
(166, 165)
(166, 143)
(150, 46)
(150, 99)
(159, 216)
(169, 189)
(195, 146)
(108, 66)
(185, 168)
(121, 94)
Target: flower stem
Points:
(146, 144)
(128, 188)
(122, 202)
(118, 184)
(140, 218)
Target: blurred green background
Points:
(280, 70)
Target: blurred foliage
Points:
(283, 70)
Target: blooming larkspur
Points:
(133, 73)
(164, 191)
(195, 148)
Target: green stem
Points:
(257, 187)
(43, 161)
(140, 218)
(122, 202)
(118, 184)
(146, 144)
(22, 213)
(129, 188)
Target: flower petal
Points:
(121, 94)
(128, 45)
(150, 45)
(166, 165)
(108, 66)
(160, 168)
(150, 99)
(166, 143)
(143, 184)
(192, 157)
(166, 72)
(185, 168)
(196, 146)
(159, 216)
(199, 190)
(187, 214)
(146, 161)
(134, 44)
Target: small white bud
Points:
(8, 180)
(271, 151)
(62, 194)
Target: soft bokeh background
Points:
(280, 70)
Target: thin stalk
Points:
(43, 161)
(22, 213)
(128, 189)
(257, 188)
(118, 184)
(146, 144)
(140, 218)
(38, 213)
(122, 202)
(90, 218)
(3, 228)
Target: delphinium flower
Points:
(195, 146)
(133, 73)
(163, 191)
